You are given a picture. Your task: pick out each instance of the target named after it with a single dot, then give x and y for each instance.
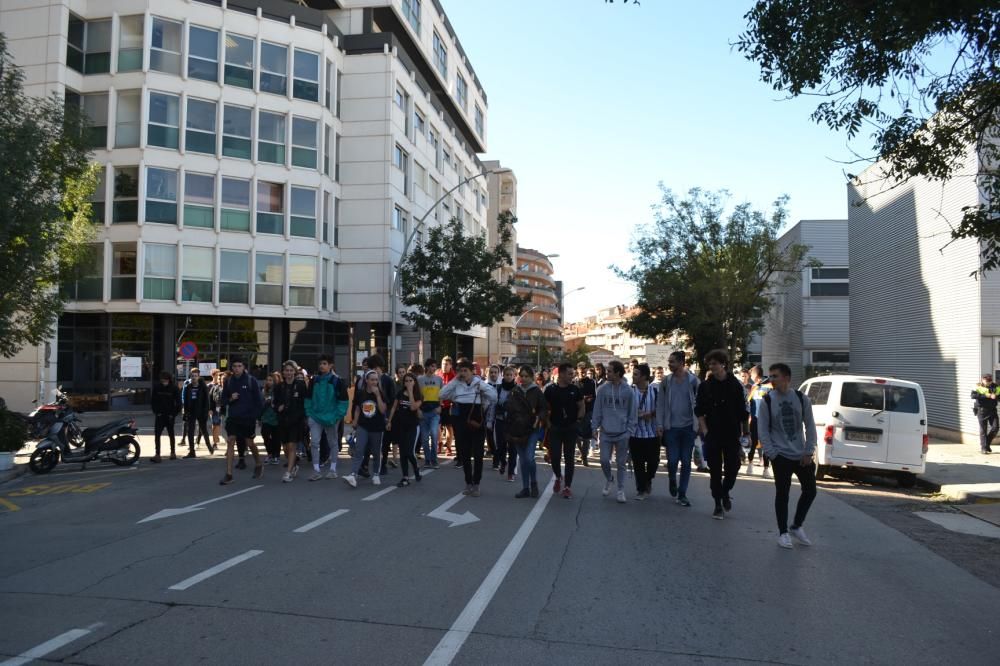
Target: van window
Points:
(862, 396)
(819, 393)
(902, 399)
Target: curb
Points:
(20, 469)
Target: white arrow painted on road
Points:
(170, 513)
(456, 519)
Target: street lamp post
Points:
(394, 295)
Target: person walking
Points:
(505, 456)
(269, 420)
(614, 422)
(215, 404)
(325, 406)
(588, 388)
(566, 407)
(677, 422)
(761, 387)
(243, 404)
(985, 394)
(195, 402)
(430, 412)
(404, 422)
(165, 399)
(721, 409)
(526, 411)
(644, 445)
(788, 432)
(471, 398)
(369, 421)
(493, 379)
(447, 374)
(290, 404)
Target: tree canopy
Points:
(933, 63)
(708, 273)
(448, 281)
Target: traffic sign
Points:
(188, 350)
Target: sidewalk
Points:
(961, 472)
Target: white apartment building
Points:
(807, 327)
(605, 331)
(262, 161)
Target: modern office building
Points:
(540, 326)
(261, 163)
(605, 330)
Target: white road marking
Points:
(319, 521)
(50, 646)
(169, 513)
(218, 568)
(386, 491)
(456, 519)
(452, 641)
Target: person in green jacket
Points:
(326, 405)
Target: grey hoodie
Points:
(663, 400)
(615, 411)
(780, 428)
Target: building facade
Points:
(605, 330)
(262, 162)
(808, 325)
(540, 326)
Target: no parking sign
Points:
(188, 350)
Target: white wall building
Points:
(261, 163)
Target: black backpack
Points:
(767, 400)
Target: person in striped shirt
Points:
(644, 444)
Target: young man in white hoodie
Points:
(471, 400)
(614, 420)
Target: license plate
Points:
(860, 436)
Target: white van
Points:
(869, 422)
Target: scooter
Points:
(115, 441)
(41, 418)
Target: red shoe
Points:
(556, 486)
(567, 493)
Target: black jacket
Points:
(196, 406)
(724, 406)
(165, 400)
(293, 398)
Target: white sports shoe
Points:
(785, 541)
(375, 480)
(621, 496)
(351, 480)
(767, 472)
(332, 474)
(607, 488)
(287, 478)
(749, 468)
(799, 535)
(316, 476)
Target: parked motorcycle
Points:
(115, 441)
(41, 418)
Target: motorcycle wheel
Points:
(43, 460)
(126, 454)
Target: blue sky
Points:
(593, 104)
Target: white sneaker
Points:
(332, 474)
(799, 535)
(767, 472)
(295, 471)
(749, 468)
(351, 480)
(287, 478)
(621, 496)
(375, 480)
(316, 476)
(784, 540)
(607, 488)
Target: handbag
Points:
(475, 423)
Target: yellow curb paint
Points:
(9, 505)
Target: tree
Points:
(578, 355)
(862, 57)
(707, 274)
(45, 184)
(449, 282)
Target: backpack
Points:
(767, 401)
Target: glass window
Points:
(440, 56)
(829, 289)
(130, 43)
(400, 99)
(164, 116)
(128, 119)
(325, 284)
(199, 200)
(75, 42)
(234, 276)
(399, 157)
(159, 272)
(270, 208)
(304, 142)
(327, 156)
(203, 53)
(123, 271)
(273, 68)
(236, 128)
(95, 108)
(819, 393)
(432, 137)
(161, 196)
(337, 93)
(269, 279)
(239, 61)
(302, 281)
(330, 80)
(306, 70)
(837, 357)
(326, 217)
(398, 219)
(196, 282)
(479, 121)
(200, 135)
(235, 204)
(89, 282)
(411, 10)
(419, 123)
(336, 220)
(165, 46)
(126, 203)
(829, 282)
(303, 218)
(830, 273)
(902, 399)
(420, 176)
(271, 138)
(97, 198)
(862, 395)
(97, 56)
(462, 92)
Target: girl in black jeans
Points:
(404, 423)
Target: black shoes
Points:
(190, 454)
(683, 501)
(242, 464)
(524, 492)
(727, 503)
(673, 487)
(718, 514)
(534, 489)
(226, 480)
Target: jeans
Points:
(526, 454)
(367, 444)
(164, 422)
(723, 457)
(987, 429)
(407, 442)
(562, 443)
(783, 469)
(469, 442)
(620, 446)
(430, 426)
(680, 444)
(645, 459)
(316, 431)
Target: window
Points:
(304, 142)
(337, 94)
(420, 176)
(399, 219)
(336, 158)
(200, 135)
(902, 399)
(479, 121)
(163, 120)
(336, 220)
(325, 276)
(97, 198)
(328, 88)
(203, 54)
(435, 189)
(302, 281)
(327, 147)
(303, 218)
(235, 204)
(95, 108)
(123, 269)
(271, 138)
(862, 395)
(273, 68)
(829, 282)
(125, 209)
(128, 119)
(239, 61)
(336, 285)
(130, 43)
(161, 196)
(401, 160)
(834, 357)
(199, 200)
(462, 92)
(419, 124)
(305, 85)
(270, 279)
(234, 276)
(75, 43)
(88, 284)
(326, 217)
(432, 137)
(400, 99)
(196, 278)
(440, 56)
(270, 208)
(165, 46)
(411, 10)
(159, 272)
(446, 155)
(236, 128)
(88, 46)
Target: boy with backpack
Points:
(326, 404)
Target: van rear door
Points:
(865, 433)
(906, 436)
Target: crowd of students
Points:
(425, 412)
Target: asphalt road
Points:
(381, 581)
